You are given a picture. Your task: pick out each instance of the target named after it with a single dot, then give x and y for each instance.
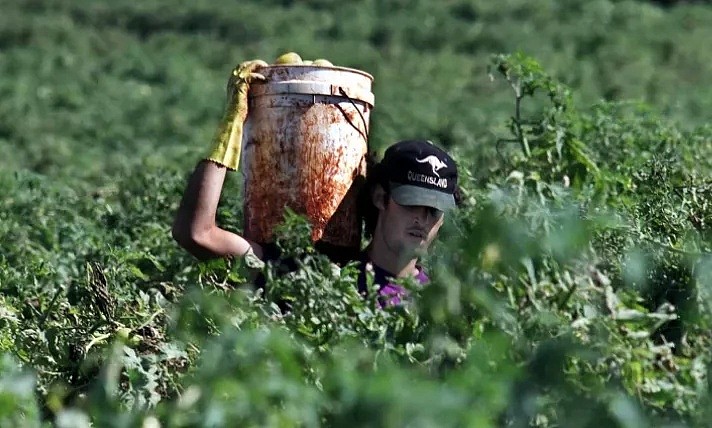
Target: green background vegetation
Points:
(572, 290)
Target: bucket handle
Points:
(343, 93)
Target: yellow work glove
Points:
(227, 142)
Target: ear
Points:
(378, 197)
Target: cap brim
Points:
(405, 194)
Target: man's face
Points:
(408, 230)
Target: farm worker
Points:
(406, 197)
(404, 201)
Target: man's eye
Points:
(434, 212)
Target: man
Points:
(407, 195)
(404, 201)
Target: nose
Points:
(421, 215)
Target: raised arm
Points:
(194, 227)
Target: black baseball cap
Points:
(421, 173)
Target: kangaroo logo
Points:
(434, 162)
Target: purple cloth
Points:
(390, 294)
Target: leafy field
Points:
(573, 289)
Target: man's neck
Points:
(389, 261)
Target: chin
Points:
(413, 242)
(415, 245)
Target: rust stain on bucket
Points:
(306, 151)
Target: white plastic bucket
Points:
(304, 147)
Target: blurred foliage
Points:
(573, 289)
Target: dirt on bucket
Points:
(306, 152)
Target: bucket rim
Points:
(312, 88)
(321, 67)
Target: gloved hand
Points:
(227, 142)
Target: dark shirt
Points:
(390, 294)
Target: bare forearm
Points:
(217, 242)
(194, 227)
